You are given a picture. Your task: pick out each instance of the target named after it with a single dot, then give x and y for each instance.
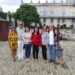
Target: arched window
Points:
(60, 1)
(74, 2)
(57, 1)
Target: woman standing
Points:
(59, 50)
(12, 40)
(27, 42)
(44, 42)
(36, 42)
(57, 36)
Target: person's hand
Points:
(46, 46)
(29, 41)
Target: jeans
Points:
(52, 52)
(27, 48)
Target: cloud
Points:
(12, 5)
(7, 8)
(10, 2)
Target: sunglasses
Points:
(44, 28)
(20, 24)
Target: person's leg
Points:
(37, 51)
(53, 53)
(44, 52)
(19, 51)
(50, 52)
(34, 48)
(13, 54)
(21, 46)
(58, 60)
(61, 60)
(28, 50)
(25, 48)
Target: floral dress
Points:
(12, 40)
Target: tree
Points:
(3, 15)
(28, 14)
(10, 16)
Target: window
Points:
(63, 20)
(74, 2)
(51, 12)
(73, 20)
(58, 20)
(44, 20)
(63, 14)
(51, 20)
(50, 1)
(64, 1)
(57, 1)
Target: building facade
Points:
(0, 9)
(62, 13)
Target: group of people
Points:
(21, 39)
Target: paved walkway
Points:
(8, 67)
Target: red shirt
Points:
(36, 39)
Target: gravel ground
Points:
(8, 67)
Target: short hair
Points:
(20, 21)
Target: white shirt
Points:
(20, 32)
(51, 38)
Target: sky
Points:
(12, 5)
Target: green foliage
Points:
(3, 15)
(10, 16)
(28, 14)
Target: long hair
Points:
(27, 27)
(58, 35)
(37, 31)
(57, 30)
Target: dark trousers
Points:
(35, 52)
(27, 48)
(44, 52)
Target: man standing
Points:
(20, 30)
(51, 44)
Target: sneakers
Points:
(27, 59)
(36, 60)
(20, 60)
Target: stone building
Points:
(0, 9)
(62, 13)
